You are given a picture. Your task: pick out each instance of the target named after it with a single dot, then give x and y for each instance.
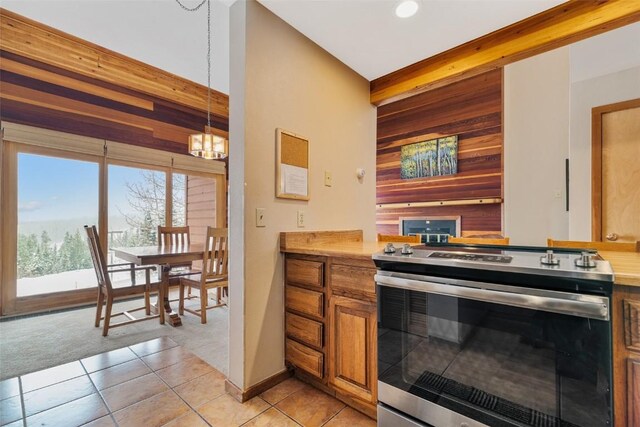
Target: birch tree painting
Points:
(434, 157)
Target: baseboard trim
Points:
(256, 389)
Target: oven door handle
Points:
(589, 306)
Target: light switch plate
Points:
(260, 217)
(328, 179)
(301, 219)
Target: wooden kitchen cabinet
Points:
(626, 355)
(305, 314)
(331, 326)
(352, 344)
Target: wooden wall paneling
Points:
(200, 206)
(42, 95)
(30, 39)
(473, 217)
(20, 69)
(559, 26)
(471, 109)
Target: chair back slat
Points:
(173, 236)
(600, 246)
(398, 239)
(97, 256)
(479, 240)
(215, 258)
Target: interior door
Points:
(617, 144)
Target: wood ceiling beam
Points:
(564, 24)
(33, 40)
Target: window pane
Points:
(136, 207)
(56, 198)
(179, 208)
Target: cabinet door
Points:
(352, 347)
(633, 390)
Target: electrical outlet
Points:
(328, 179)
(260, 217)
(301, 218)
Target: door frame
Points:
(596, 161)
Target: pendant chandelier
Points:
(207, 145)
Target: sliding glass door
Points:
(137, 206)
(56, 198)
(52, 184)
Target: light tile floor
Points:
(158, 383)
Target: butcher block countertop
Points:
(357, 250)
(349, 244)
(626, 266)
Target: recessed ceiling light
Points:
(406, 8)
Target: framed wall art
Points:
(434, 157)
(292, 166)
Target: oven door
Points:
(462, 353)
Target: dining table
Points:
(165, 257)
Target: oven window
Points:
(497, 364)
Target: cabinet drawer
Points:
(304, 272)
(354, 279)
(304, 358)
(305, 301)
(303, 329)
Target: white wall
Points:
(536, 136)
(585, 95)
(606, 53)
(156, 32)
(548, 101)
(287, 81)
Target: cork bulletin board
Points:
(292, 166)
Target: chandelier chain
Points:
(208, 2)
(193, 9)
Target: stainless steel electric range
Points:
(493, 336)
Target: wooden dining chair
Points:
(479, 240)
(399, 239)
(108, 291)
(175, 236)
(213, 275)
(600, 246)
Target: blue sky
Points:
(51, 188)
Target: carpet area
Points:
(33, 343)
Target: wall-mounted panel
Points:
(470, 109)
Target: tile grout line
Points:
(100, 392)
(24, 410)
(171, 388)
(335, 415)
(86, 372)
(286, 415)
(283, 413)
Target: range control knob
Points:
(389, 249)
(407, 249)
(585, 260)
(549, 259)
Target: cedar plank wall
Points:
(38, 94)
(471, 109)
(201, 206)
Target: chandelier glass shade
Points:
(208, 146)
